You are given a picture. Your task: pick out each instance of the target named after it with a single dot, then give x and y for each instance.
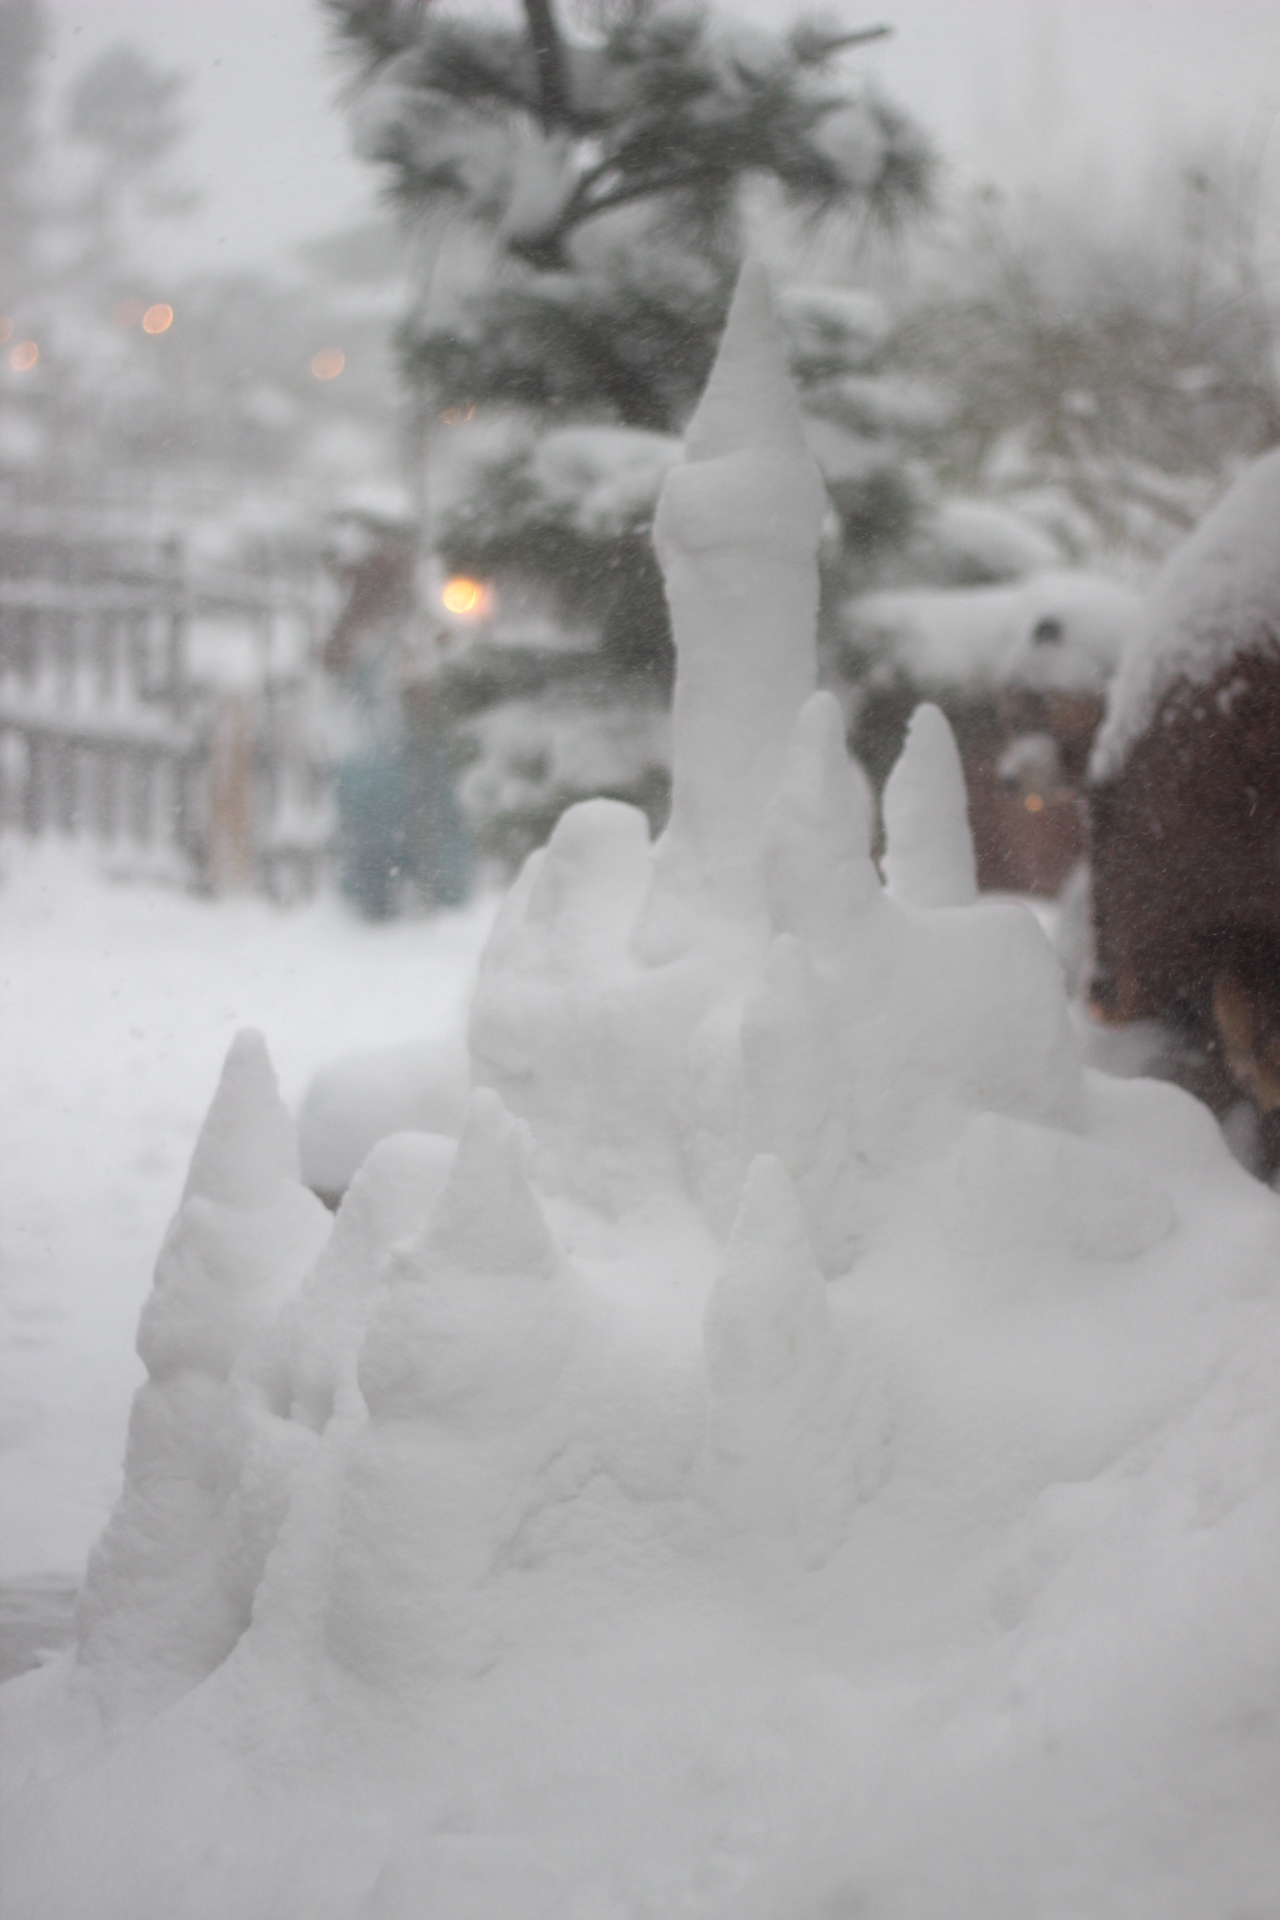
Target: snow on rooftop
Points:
(1217, 594)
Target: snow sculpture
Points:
(802, 1411)
(170, 1585)
(929, 857)
(737, 533)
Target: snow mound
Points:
(1217, 595)
(1056, 632)
(805, 1411)
(987, 543)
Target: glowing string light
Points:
(463, 596)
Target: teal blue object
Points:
(399, 822)
(440, 850)
(373, 839)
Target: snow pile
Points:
(1070, 633)
(1057, 631)
(1217, 595)
(810, 1447)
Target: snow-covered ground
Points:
(117, 1005)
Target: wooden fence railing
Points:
(176, 721)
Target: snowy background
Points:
(1030, 94)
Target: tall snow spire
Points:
(737, 534)
(749, 404)
(929, 859)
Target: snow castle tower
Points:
(797, 1373)
(737, 534)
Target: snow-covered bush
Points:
(1055, 629)
(1106, 371)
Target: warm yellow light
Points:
(128, 313)
(6, 329)
(157, 319)
(24, 356)
(464, 596)
(457, 416)
(328, 363)
(1034, 803)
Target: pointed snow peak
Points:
(928, 859)
(769, 1303)
(768, 1213)
(818, 869)
(489, 1219)
(749, 402)
(821, 786)
(248, 1146)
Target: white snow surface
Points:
(1218, 593)
(995, 543)
(987, 636)
(810, 1449)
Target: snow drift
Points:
(808, 1448)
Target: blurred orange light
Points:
(456, 416)
(328, 363)
(157, 319)
(6, 328)
(1034, 803)
(24, 356)
(128, 313)
(464, 596)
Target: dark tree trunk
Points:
(555, 108)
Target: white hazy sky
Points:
(1020, 92)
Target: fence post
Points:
(233, 752)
